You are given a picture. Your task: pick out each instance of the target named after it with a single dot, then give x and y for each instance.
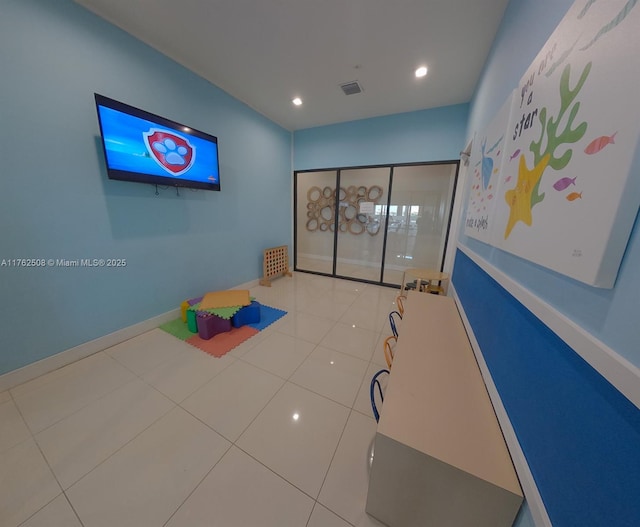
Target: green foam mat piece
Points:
(222, 312)
(178, 329)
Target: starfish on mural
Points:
(519, 198)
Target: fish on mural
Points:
(514, 155)
(564, 182)
(599, 143)
(574, 196)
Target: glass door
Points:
(361, 222)
(315, 220)
(419, 215)
(372, 223)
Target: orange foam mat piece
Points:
(223, 343)
(218, 299)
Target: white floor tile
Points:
(145, 352)
(366, 317)
(179, 377)
(26, 483)
(240, 492)
(323, 307)
(141, 433)
(77, 444)
(351, 340)
(45, 400)
(296, 435)
(278, 295)
(333, 374)
(146, 481)
(228, 403)
(323, 517)
(13, 429)
(279, 354)
(57, 513)
(307, 327)
(371, 310)
(345, 488)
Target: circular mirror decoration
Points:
(314, 194)
(356, 227)
(322, 205)
(373, 227)
(374, 193)
(350, 212)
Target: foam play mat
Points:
(222, 343)
(228, 298)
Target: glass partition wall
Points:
(372, 223)
(315, 222)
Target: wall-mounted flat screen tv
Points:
(146, 148)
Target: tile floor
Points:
(391, 276)
(153, 432)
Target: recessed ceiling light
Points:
(421, 71)
(297, 101)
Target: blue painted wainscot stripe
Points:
(580, 436)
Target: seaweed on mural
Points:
(526, 195)
(612, 24)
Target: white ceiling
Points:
(266, 52)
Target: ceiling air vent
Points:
(351, 88)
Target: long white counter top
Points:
(437, 415)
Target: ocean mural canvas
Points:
(486, 163)
(567, 197)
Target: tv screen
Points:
(143, 147)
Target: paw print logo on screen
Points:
(171, 151)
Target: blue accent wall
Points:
(578, 433)
(56, 201)
(427, 135)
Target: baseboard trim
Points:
(624, 375)
(57, 361)
(54, 362)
